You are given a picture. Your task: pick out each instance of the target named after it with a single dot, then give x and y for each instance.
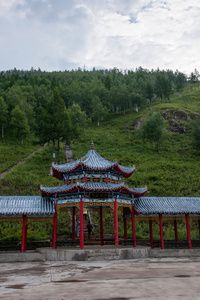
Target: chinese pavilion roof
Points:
(18, 205)
(95, 186)
(167, 205)
(91, 161)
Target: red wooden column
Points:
(188, 231)
(133, 225)
(26, 236)
(55, 227)
(151, 233)
(81, 225)
(199, 228)
(176, 232)
(101, 224)
(161, 232)
(125, 224)
(116, 224)
(73, 223)
(24, 233)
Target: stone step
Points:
(103, 257)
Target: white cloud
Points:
(65, 34)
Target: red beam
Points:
(133, 225)
(161, 232)
(125, 224)
(101, 224)
(81, 225)
(116, 224)
(188, 231)
(73, 223)
(55, 227)
(24, 234)
(151, 233)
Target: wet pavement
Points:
(174, 278)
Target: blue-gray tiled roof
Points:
(167, 205)
(92, 186)
(17, 205)
(92, 160)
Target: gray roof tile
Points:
(92, 160)
(167, 205)
(14, 205)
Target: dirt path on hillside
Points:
(20, 162)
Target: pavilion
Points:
(93, 182)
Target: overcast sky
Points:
(67, 34)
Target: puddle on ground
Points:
(16, 286)
(69, 281)
(121, 298)
(182, 276)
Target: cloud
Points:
(65, 34)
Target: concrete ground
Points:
(158, 278)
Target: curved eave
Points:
(125, 171)
(59, 173)
(92, 187)
(137, 192)
(91, 161)
(64, 189)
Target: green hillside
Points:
(170, 170)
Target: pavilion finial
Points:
(92, 146)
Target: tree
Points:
(3, 115)
(78, 120)
(163, 87)
(180, 80)
(149, 91)
(152, 128)
(54, 121)
(19, 123)
(98, 110)
(195, 134)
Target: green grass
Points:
(171, 170)
(11, 152)
(27, 178)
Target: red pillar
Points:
(161, 232)
(55, 227)
(73, 223)
(199, 228)
(24, 233)
(125, 225)
(188, 231)
(101, 224)
(116, 224)
(26, 237)
(133, 225)
(151, 233)
(81, 225)
(176, 232)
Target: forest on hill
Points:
(56, 105)
(146, 118)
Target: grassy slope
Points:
(171, 171)
(12, 152)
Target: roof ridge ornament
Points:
(92, 146)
